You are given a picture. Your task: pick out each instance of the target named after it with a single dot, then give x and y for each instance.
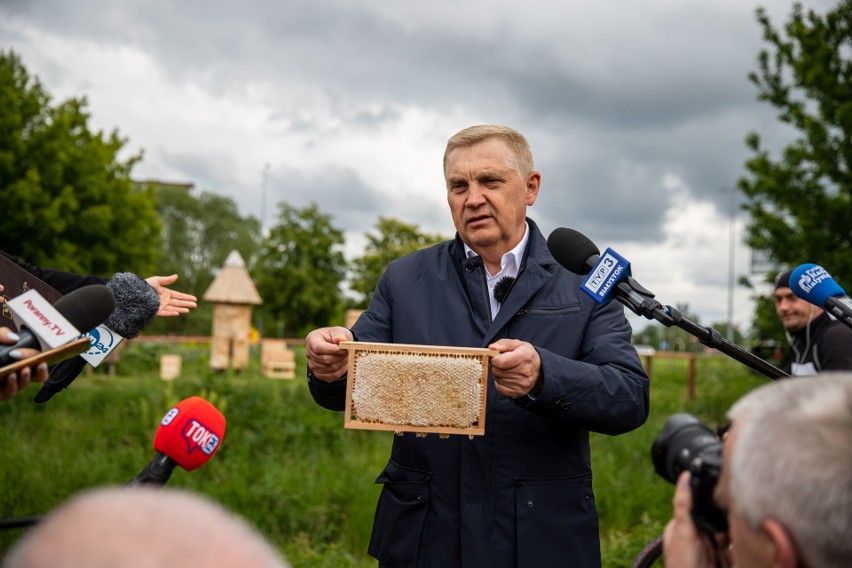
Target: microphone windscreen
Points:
(812, 283)
(136, 302)
(190, 433)
(87, 307)
(571, 249)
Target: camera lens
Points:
(682, 439)
(686, 443)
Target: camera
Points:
(686, 443)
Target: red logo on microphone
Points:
(197, 436)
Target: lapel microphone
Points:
(501, 289)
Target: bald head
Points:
(142, 528)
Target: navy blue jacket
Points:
(521, 495)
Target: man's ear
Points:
(533, 185)
(786, 555)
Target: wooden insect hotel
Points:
(233, 294)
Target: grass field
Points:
(289, 466)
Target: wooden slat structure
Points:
(416, 388)
(277, 361)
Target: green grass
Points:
(289, 466)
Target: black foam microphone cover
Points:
(573, 250)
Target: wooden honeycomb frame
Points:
(358, 351)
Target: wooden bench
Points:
(276, 360)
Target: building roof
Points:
(233, 285)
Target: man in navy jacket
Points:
(521, 495)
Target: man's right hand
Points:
(327, 361)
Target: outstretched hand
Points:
(172, 302)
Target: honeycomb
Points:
(417, 388)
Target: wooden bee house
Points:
(233, 293)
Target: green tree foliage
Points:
(800, 201)
(299, 271)
(68, 199)
(393, 239)
(198, 233)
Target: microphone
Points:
(812, 283)
(501, 289)
(84, 308)
(136, 302)
(608, 275)
(189, 434)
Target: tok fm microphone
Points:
(189, 434)
(85, 308)
(812, 283)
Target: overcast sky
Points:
(636, 110)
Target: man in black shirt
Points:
(819, 343)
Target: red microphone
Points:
(188, 436)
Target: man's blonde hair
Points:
(519, 148)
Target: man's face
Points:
(749, 547)
(488, 197)
(794, 312)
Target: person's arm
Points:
(835, 351)
(60, 280)
(605, 389)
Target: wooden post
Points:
(692, 359)
(170, 367)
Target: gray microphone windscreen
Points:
(136, 302)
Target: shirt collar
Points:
(511, 259)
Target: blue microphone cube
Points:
(812, 283)
(601, 280)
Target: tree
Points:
(299, 270)
(393, 240)
(800, 201)
(68, 199)
(198, 233)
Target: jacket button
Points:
(469, 266)
(529, 503)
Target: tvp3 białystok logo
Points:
(600, 281)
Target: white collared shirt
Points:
(510, 265)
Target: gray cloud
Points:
(616, 100)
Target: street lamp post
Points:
(263, 180)
(731, 243)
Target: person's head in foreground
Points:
(142, 527)
(786, 480)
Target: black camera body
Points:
(686, 443)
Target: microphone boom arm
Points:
(641, 302)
